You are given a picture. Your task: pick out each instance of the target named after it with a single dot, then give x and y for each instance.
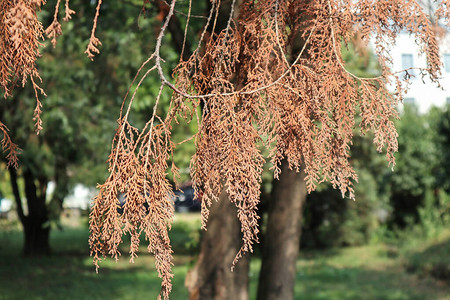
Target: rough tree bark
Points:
(211, 277)
(282, 237)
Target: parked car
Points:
(183, 200)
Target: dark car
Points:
(185, 201)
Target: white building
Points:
(80, 197)
(423, 95)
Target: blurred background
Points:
(393, 242)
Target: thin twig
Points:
(185, 30)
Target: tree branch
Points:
(176, 31)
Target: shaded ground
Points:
(370, 272)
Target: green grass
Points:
(70, 274)
(432, 258)
(369, 272)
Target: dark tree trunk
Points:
(282, 237)
(16, 193)
(36, 231)
(36, 237)
(211, 277)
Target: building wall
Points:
(423, 95)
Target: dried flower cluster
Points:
(274, 78)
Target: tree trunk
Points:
(211, 277)
(36, 237)
(282, 237)
(36, 231)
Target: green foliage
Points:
(185, 235)
(332, 221)
(434, 214)
(431, 259)
(418, 192)
(443, 142)
(414, 176)
(411, 196)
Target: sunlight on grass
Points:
(369, 272)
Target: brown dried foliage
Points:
(138, 164)
(54, 30)
(274, 79)
(259, 91)
(443, 11)
(9, 147)
(20, 32)
(94, 42)
(20, 35)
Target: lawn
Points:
(369, 272)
